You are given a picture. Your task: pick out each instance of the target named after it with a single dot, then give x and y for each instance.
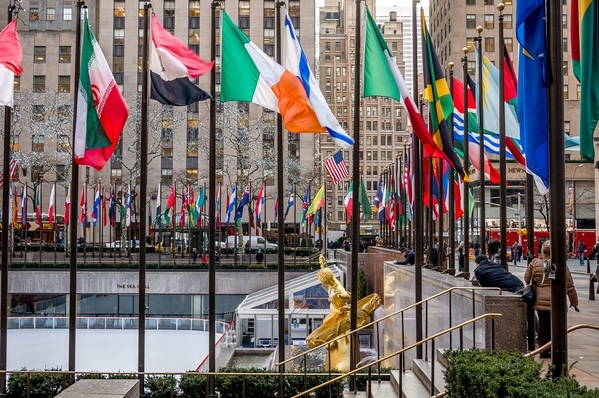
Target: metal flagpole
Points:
(502, 151)
(557, 218)
(280, 228)
(74, 213)
(482, 222)
(417, 209)
(5, 209)
(466, 217)
(211, 205)
(143, 182)
(451, 205)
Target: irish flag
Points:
(101, 109)
(11, 56)
(249, 75)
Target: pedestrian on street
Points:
(581, 248)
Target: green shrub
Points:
(161, 386)
(254, 386)
(476, 373)
(41, 385)
(193, 385)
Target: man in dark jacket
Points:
(409, 257)
(490, 274)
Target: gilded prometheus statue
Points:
(337, 322)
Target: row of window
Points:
(489, 21)
(50, 14)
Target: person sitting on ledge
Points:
(409, 257)
(490, 274)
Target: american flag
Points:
(13, 170)
(336, 167)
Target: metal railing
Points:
(401, 312)
(403, 350)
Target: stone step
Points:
(423, 368)
(412, 387)
(382, 389)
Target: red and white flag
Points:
(51, 205)
(82, 206)
(67, 206)
(11, 56)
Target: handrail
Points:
(570, 329)
(389, 316)
(386, 357)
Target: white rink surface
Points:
(107, 350)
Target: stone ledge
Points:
(102, 389)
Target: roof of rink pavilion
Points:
(262, 304)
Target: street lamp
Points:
(574, 197)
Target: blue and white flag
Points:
(290, 202)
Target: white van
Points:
(256, 243)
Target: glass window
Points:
(64, 143)
(39, 83)
(34, 14)
(577, 97)
(50, 14)
(509, 44)
(64, 84)
(489, 21)
(507, 21)
(565, 21)
(565, 91)
(489, 2)
(470, 2)
(37, 143)
(39, 54)
(67, 14)
(489, 44)
(471, 21)
(64, 54)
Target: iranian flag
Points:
(51, 206)
(348, 202)
(101, 108)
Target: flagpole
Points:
(250, 216)
(482, 222)
(74, 212)
(143, 182)
(466, 216)
(280, 229)
(451, 212)
(555, 78)
(502, 152)
(355, 247)
(212, 216)
(54, 224)
(5, 209)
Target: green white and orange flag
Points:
(101, 108)
(585, 62)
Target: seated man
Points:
(409, 257)
(490, 274)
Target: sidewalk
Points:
(583, 344)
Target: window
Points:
(116, 175)
(34, 14)
(337, 46)
(470, 2)
(64, 113)
(39, 83)
(327, 46)
(64, 143)
(470, 43)
(67, 14)
(17, 84)
(507, 21)
(39, 54)
(565, 91)
(37, 113)
(64, 84)
(565, 68)
(489, 44)
(509, 44)
(169, 15)
(489, 2)
(507, 2)
(577, 93)
(37, 143)
(565, 21)
(64, 54)
(394, 46)
(565, 45)
(50, 14)
(61, 173)
(489, 21)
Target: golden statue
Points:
(337, 322)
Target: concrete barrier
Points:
(102, 388)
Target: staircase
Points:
(415, 383)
